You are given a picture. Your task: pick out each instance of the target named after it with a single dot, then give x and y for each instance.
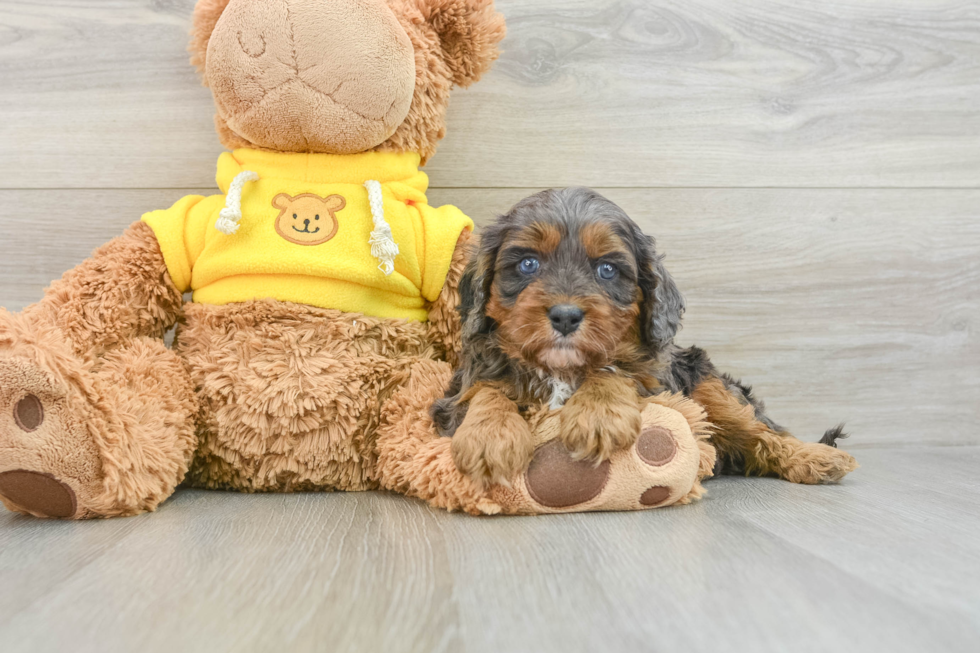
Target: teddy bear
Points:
(323, 320)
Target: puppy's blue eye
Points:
(529, 265)
(607, 271)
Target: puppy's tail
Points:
(831, 437)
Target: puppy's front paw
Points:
(493, 451)
(595, 430)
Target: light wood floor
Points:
(887, 561)
(811, 170)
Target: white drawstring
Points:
(383, 245)
(230, 215)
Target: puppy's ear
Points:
(469, 32)
(475, 284)
(662, 305)
(206, 15)
(474, 293)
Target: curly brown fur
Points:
(444, 323)
(123, 291)
(118, 428)
(602, 417)
(468, 31)
(206, 15)
(412, 458)
(596, 303)
(494, 442)
(456, 47)
(749, 445)
(294, 405)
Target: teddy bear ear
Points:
(469, 32)
(206, 15)
(281, 201)
(335, 203)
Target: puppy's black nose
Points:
(566, 318)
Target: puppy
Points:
(567, 303)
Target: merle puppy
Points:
(567, 303)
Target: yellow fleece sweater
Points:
(304, 233)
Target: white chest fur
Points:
(560, 392)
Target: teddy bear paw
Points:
(661, 468)
(48, 464)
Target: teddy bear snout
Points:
(343, 62)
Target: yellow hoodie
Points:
(349, 232)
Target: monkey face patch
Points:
(307, 219)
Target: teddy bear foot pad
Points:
(660, 469)
(38, 493)
(34, 428)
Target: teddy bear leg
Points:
(96, 415)
(664, 466)
(92, 438)
(413, 459)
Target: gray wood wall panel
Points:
(98, 93)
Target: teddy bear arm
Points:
(444, 319)
(122, 292)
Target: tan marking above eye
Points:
(599, 240)
(541, 237)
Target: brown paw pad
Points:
(555, 480)
(38, 493)
(655, 495)
(29, 413)
(656, 446)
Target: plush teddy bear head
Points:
(340, 76)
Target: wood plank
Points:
(598, 92)
(887, 528)
(853, 305)
(760, 565)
